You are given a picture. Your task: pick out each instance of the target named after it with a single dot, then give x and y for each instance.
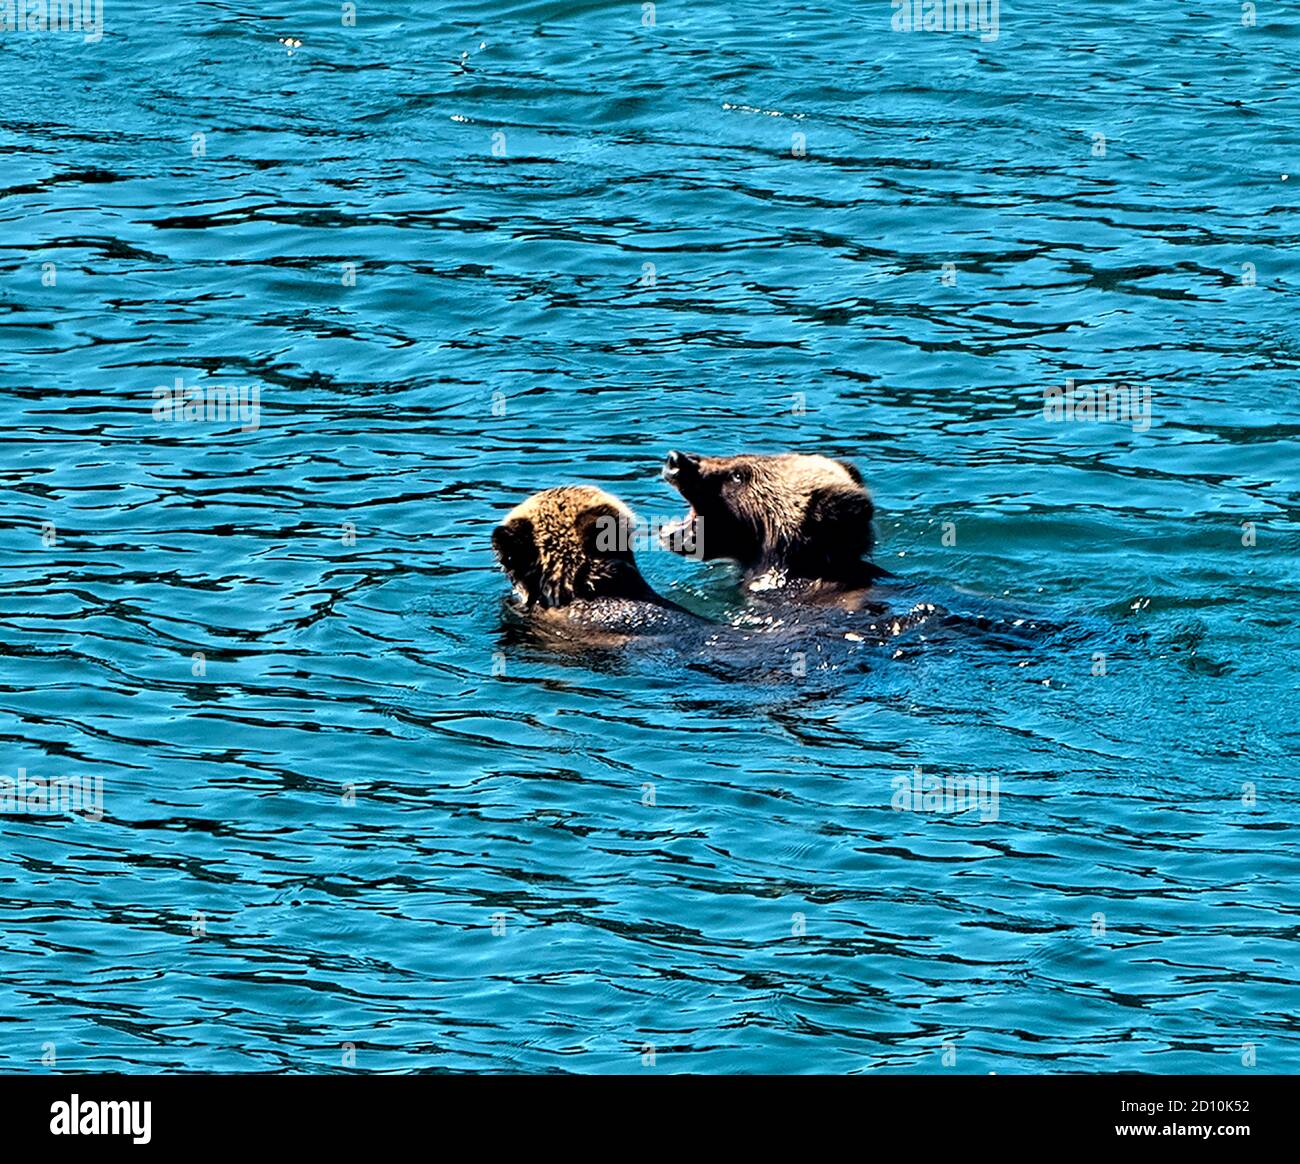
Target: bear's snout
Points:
(680, 464)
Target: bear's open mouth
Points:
(674, 534)
(683, 535)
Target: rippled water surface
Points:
(370, 816)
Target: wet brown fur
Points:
(551, 547)
(793, 519)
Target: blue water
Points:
(377, 833)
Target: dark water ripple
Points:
(305, 848)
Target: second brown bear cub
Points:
(794, 522)
(568, 554)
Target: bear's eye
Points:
(738, 476)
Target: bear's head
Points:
(569, 545)
(801, 515)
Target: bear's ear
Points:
(837, 527)
(516, 549)
(604, 532)
(852, 470)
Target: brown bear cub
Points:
(794, 522)
(568, 554)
